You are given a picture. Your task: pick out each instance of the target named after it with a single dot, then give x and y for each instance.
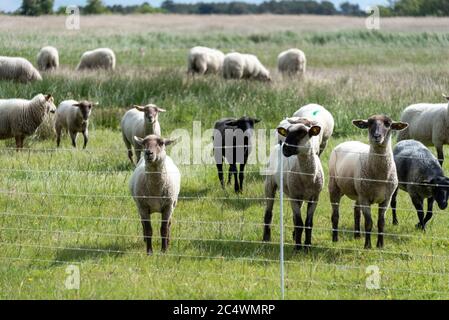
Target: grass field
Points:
(72, 207)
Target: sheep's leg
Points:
(366, 209)
(241, 175)
(138, 151)
(311, 206)
(393, 206)
(335, 197)
(220, 174)
(381, 223)
(270, 192)
(86, 138)
(297, 222)
(73, 137)
(165, 228)
(440, 154)
(357, 215)
(229, 176)
(429, 211)
(147, 234)
(418, 203)
(233, 169)
(19, 142)
(58, 136)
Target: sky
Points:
(11, 5)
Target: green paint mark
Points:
(315, 112)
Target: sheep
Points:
(204, 60)
(73, 116)
(232, 140)
(20, 118)
(103, 58)
(303, 177)
(292, 62)
(139, 121)
(428, 123)
(365, 174)
(18, 69)
(48, 59)
(244, 66)
(155, 186)
(422, 177)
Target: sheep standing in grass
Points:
(292, 62)
(155, 186)
(103, 58)
(244, 66)
(303, 176)
(48, 59)
(18, 69)
(20, 118)
(366, 174)
(73, 116)
(429, 124)
(204, 60)
(140, 121)
(422, 177)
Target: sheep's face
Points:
(50, 104)
(265, 76)
(298, 135)
(379, 128)
(150, 111)
(153, 147)
(440, 191)
(85, 108)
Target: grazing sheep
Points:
(244, 66)
(421, 176)
(292, 62)
(20, 118)
(103, 58)
(155, 185)
(73, 116)
(18, 69)
(303, 177)
(428, 123)
(140, 121)
(204, 60)
(232, 140)
(48, 59)
(366, 174)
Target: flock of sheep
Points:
(366, 173)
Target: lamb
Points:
(292, 62)
(422, 177)
(18, 69)
(366, 174)
(155, 185)
(204, 60)
(428, 123)
(103, 58)
(139, 121)
(244, 66)
(303, 177)
(20, 118)
(48, 59)
(73, 116)
(232, 140)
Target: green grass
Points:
(60, 207)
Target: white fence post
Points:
(281, 217)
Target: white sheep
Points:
(366, 174)
(18, 69)
(48, 59)
(244, 66)
(73, 116)
(155, 185)
(292, 62)
(20, 118)
(303, 176)
(139, 121)
(204, 60)
(429, 124)
(102, 58)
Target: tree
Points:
(36, 7)
(94, 7)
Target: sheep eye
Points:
(387, 124)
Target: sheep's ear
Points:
(141, 109)
(282, 131)
(76, 105)
(231, 123)
(256, 120)
(95, 104)
(445, 96)
(48, 97)
(399, 126)
(361, 124)
(169, 141)
(314, 131)
(138, 140)
(160, 109)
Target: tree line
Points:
(394, 8)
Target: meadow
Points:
(61, 207)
